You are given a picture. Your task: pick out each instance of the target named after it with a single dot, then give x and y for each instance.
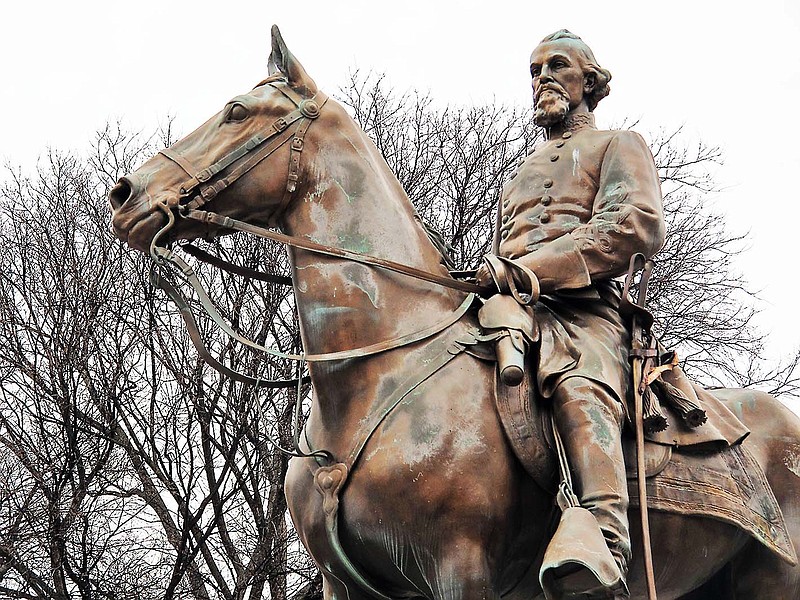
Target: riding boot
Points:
(589, 419)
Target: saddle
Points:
(704, 471)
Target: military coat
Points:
(578, 208)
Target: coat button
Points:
(553, 157)
(505, 203)
(504, 233)
(567, 135)
(544, 217)
(560, 144)
(546, 200)
(548, 183)
(505, 218)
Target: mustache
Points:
(550, 87)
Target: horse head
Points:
(250, 141)
(283, 155)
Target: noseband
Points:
(204, 184)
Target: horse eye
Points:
(237, 112)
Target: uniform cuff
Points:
(559, 265)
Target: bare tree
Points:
(133, 470)
(704, 306)
(64, 355)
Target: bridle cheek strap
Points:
(249, 154)
(295, 151)
(212, 190)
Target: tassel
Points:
(691, 413)
(654, 419)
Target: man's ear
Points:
(281, 60)
(589, 82)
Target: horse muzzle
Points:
(127, 188)
(137, 216)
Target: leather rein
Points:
(204, 184)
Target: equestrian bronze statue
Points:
(424, 473)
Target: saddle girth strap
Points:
(331, 479)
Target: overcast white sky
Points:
(728, 71)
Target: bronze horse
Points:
(436, 505)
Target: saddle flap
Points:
(656, 457)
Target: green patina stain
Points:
(354, 241)
(601, 431)
(349, 240)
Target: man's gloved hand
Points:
(484, 278)
(508, 277)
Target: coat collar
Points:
(572, 123)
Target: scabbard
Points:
(641, 355)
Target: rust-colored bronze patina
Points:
(422, 496)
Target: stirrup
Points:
(578, 564)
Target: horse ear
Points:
(281, 60)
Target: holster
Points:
(503, 312)
(512, 311)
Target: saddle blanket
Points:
(724, 483)
(728, 485)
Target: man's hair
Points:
(602, 76)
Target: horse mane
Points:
(438, 241)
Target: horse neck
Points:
(352, 200)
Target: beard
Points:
(552, 107)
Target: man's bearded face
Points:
(558, 81)
(552, 106)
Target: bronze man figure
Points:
(579, 207)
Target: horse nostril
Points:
(121, 193)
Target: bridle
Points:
(204, 184)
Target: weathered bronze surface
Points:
(424, 496)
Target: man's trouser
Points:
(590, 418)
